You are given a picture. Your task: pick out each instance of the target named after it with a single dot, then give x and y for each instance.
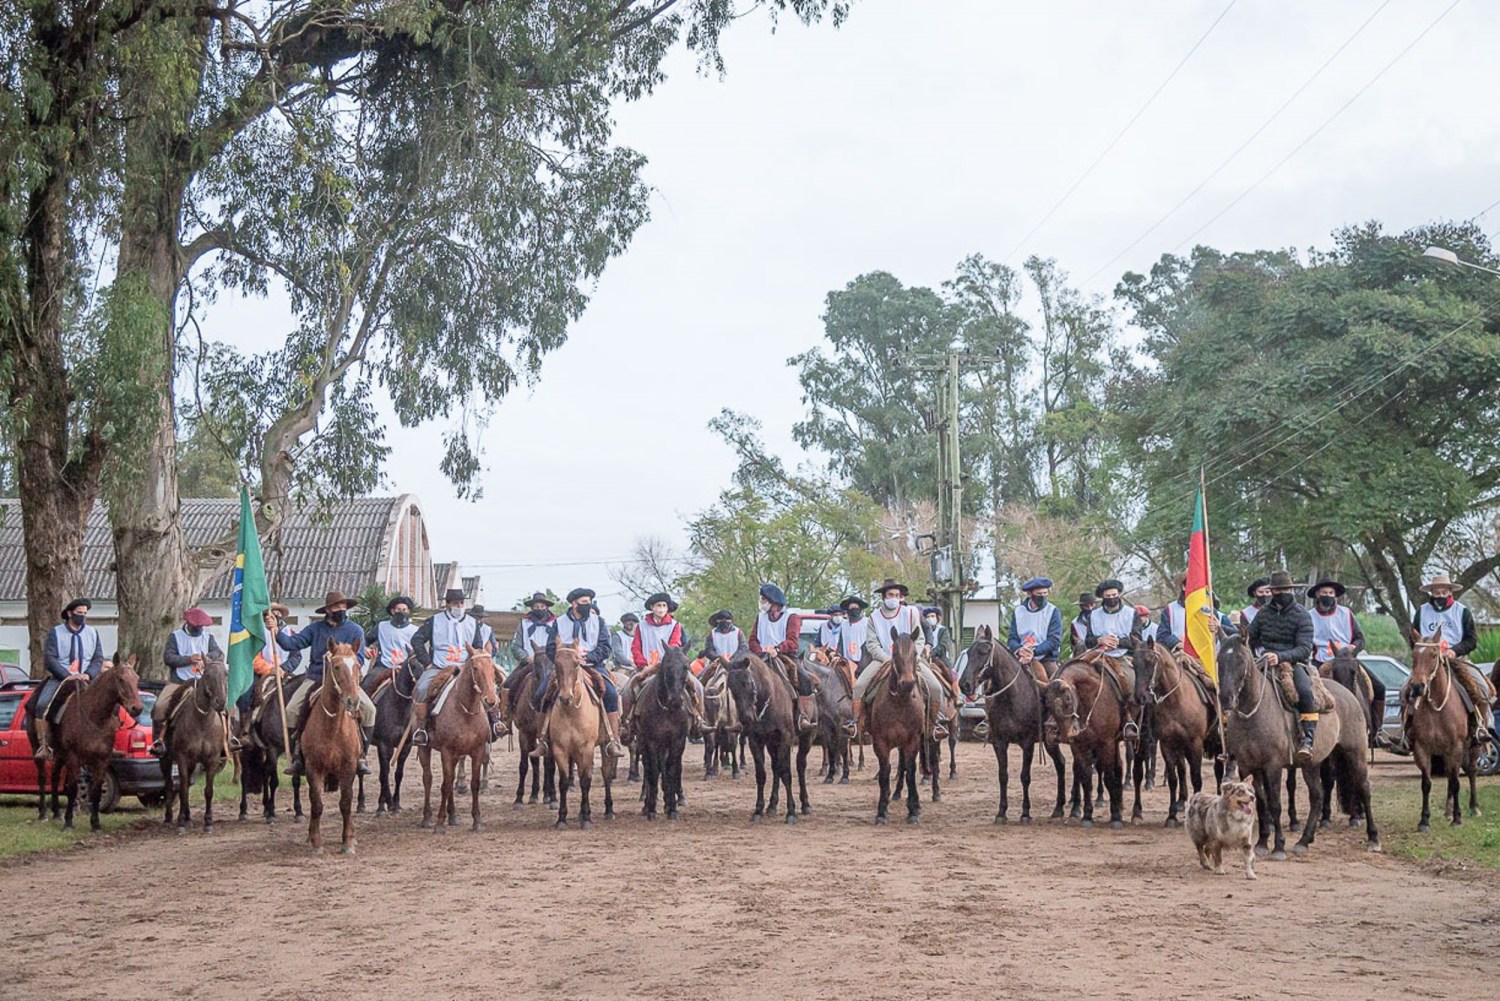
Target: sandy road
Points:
(713, 907)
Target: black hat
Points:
(662, 596)
(400, 599)
(630, 617)
(1338, 589)
(892, 584)
(773, 594)
(453, 594)
(853, 601)
(536, 599)
(933, 610)
(720, 616)
(1256, 585)
(477, 611)
(581, 592)
(1281, 579)
(83, 603)
(1108, 585)
(1084, 598)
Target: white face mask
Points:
(892, 603)
(931, 620)
(837, 620)
(454, 613)
(765, 606)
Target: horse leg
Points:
(913, 795)
(609, 770)
(1028, 754)
(650, 777)
(1472, 761)
(1138, 773)
(1075, 802)
(297, 797)
(565, 781)
(210, 769)
(1114, 780)
(383, 762)
(1455, 763)
(448, 808)
(846, 747)
(1325, 778)
(346, 812)
(1313, 776)
(41, 791)
(802, 749)
(476, 766)
(184, 809)
(360, 807)
(1291, 797)
(1002, 765)
(521, 784)
(672, 793)
(1273, 808)
(1169, 762)
(937, 769)
(549, 782)
(585, 783)
(953, 749)
(96, 788)
(1359, 777)
(268, 791)
(1083, 772)
(758, 752)
(425, 756)
(400, 774)
(1424, 765)
(315, 811)
(883, 761)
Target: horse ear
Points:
(535, 649)
(1416, 636)
(1150, 642)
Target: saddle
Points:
(1366, 686)
(437, 695)
(1198, 675)
(1287, 689)
(66, 689)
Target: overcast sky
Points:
(920, 132)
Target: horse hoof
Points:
(843, 781)
(518, 805)
(208, 828)
(1116, 825)
(880, 821)
(1457, 822)
(180, 831)
(477, 826)
(1324, 825)
(1374, 848)
(937, 797)
(912, 818)
(791, 818)
(828, 781)
(1172, 822)
(1085, 823)
(1299, 849)
(1474, 812)
(244, 815)
(425, 824)
(1001, 821)
(1422, 828)
(560, 823)
(347, 850)
(609, 815)
(651, 815)
(1278, 856)
(380, 813)
(270, 821)
(674, 815)
(317, 851)
(440, 828)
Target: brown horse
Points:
(261, 755)
(768, 722)
(460, 730)
(897, 719)
(84, 737)
(1013, 712)
(331, 743)
(1185, 727)
(196, 742)
(721, 741)
(1437, 725)
(526, 723)
(576, 723)
(1081, 688)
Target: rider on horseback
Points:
(894, 615)
(1035, 636)
(580, 624)
(316, 637)
(389, 643)
(1284, 630)
(73, 651)
(442, 645)
(828, 632)
(725, 641)
(531, 635)
(777, 640)
(652, 638)
(1115, 629)
(1442, 609)
(1078, 629)
(186, 650)
(1259, 593)
(273, 624)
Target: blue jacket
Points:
(315, 637)
(1048, 649)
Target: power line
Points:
(1317, 131)
(1119, 135)
(1241, 147)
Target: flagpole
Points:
(1208, 566)
(286, 738)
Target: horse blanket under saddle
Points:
(1287, 689)
(1198, 675)
(1121, 677)
(66, 689)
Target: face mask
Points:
(1036, 601)
(837, 620)
(336, 618)
(855, 614)
(1441, 602)
(1326, 602)
(765, 606)
(399, 619)
(539, 614)
(725, 627)
(931, 620)
(454, 613)
(1281, 600)
(1113, 604)
(78, 618)
(195, 630)
(892, 603)
(1260, 601)
(660, 611)
(582, 610)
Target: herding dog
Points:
(1225, 821)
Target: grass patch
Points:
(1383, 636)
(1477, 842)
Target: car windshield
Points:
(1392, 673)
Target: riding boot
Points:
(230, 737)
(807, 713)
(43, 738)
(612, 727)
(501, 727)
(1307, 727)
(364, 748)
(419, 727)
(159, 745)
(541, 748)
(1481, 731)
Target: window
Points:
(9, 706)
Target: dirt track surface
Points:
(713, 907)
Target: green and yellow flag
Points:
(247, 605)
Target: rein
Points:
(475, 689)
(1261, 667)
(396, 683)
(1444, 668)
(1151, 686)
(332, 679)
(993, 672)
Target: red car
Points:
(133, 771)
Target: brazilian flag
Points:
(248, 604)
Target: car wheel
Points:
(109, 793)
(1489, 759)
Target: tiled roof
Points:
(344, 547)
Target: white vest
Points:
(771, 634)
(852, 636)
(1248, 613)
(586, 631)
(1080, 633)
(1034, 625)
(88, 643)
(1117, 624)
(395, 643)
(1451, 619)
(1177, 621)
(534, 634)
(187, 645)
(654, 637)
(828, 635)
(907, 622)
(725, 644)
(450, 640)
(1330, 629)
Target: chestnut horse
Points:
(460, 730)
(195, 742)
(1013, 710)
(1185, 727)
(526, 723)
(576, 723)
(768, 722)
(897, 719)
(331, 743)
(84, 737)
(1437, 725)
(1080, 688)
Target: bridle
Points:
(475, 689)
(566, 694)
(331, 671)
(992, 669)
(754, 691)
(1259, 668)
(396, 681)
(1157, 658)
(1444, 667)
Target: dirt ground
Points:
(712, 906)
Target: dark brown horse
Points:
(526, 723)
(1437, 726)
(835, 714)
(1013, 714)
(260, 756)
(331, 743)
(768, 722)
(83, 739)
(1086, 710)
(897, 720)
(1186, 728)
(459, 728)
(393, 711)
(661, 727)
(196, 743)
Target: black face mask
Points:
(194, 630)
(1260, 601)
(539, 614)
(1440, 603)
(399, 619)
(79, 619)
(1326, 602)
(1113, 604)
(336, 618)
(725, 627)
(582, 611)
(1281, 600)
(855, 614)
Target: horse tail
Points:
(1343, 784)
(253, 769)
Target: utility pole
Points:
(947, 554)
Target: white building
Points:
(357, 543)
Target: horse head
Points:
(904, 664)
(1426, 659)
(215, 681)
(1235, 663)
(341, 673)
(125, 685)
(1061, 699)
(568, 669)
(982, 653)
(672, 675)
(481, 668)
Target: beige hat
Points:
(1441, 580)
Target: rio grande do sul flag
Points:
(247, 604)
(1198, 604)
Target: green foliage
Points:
(372, 602)
(204, 468)
(523, 603)
(20, 834)
(1383, 635)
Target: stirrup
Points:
(158, 748)
(500, 729)
(43, 753)
(540, 750)
(1132, 729)
(851, 728)
(939, 732)
(419, 737)
(614, 749)
(235, 743)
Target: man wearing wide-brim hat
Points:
(1078, 629)
(1442, 611)
(892, 616)
(532, 633)
(391, 640)
(1284, 630)
(316, 637)
(73, 650)
(442, 644)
